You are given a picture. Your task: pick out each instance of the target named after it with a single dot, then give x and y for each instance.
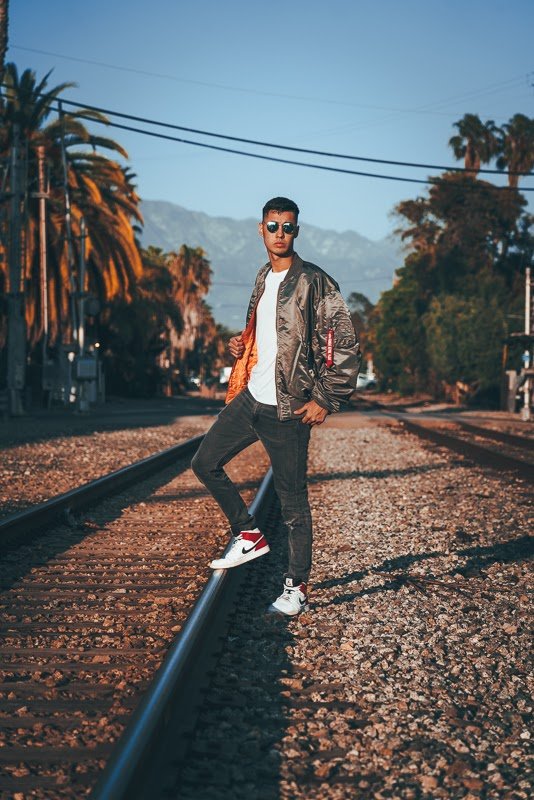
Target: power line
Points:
(260, 143)
(426, 109)
(323, 167)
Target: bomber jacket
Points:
(311, 318)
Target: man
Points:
(296, 362)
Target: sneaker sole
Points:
(273, 610)
(220, 563)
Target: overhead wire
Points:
(426, 109)
(260, 156)
(293, 162)
(291, 148)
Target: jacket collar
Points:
(294, 270)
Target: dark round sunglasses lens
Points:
(288, 227)
(272, 227)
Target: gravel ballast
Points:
(40, 458)
(421, 577)
(409, 677)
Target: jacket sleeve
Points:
(335, 383)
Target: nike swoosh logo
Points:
(250, 549)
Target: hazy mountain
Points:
(236, 252)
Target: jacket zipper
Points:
(330, 346)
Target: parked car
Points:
(366, 381)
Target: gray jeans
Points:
(240, 423)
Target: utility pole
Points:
(68, 224)
(16, 335)
(43, 196)
(525, 411)
(81, 293)
(84, 367)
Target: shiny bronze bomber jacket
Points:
(309, 304)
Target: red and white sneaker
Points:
(292, 601)
(245, 547)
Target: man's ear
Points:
(260, 229)
(297, 229)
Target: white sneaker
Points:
(292, 601)
(245, 547)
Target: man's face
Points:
(279, 242)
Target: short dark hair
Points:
(280, 204)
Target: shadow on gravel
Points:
(389, 565)
(320, 477)
(479, 558)
(502, 552)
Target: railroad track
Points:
(88, 612)
(25, 525)
(162, 752)
(523, 442)
(465, 438)
(252, 692)
(479, 453)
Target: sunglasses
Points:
(287, 227)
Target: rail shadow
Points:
(46, 426)
(320, 477)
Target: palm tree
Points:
(192, 277)
(476, 142)
(3, 34)
(517, 148)
(101, 190)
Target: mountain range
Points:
(235, 252)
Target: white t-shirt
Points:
(262, 382)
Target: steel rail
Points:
(122, 777)
(499, 436)
(24, 525)
(475, 452)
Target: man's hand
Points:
(314, 414)
(236, 346)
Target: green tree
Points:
(101, 190)
(134, 332)
(467, 240)
(476, 142)
(517, 148)
(361, 310)
(399, 336)
(4, 19)
(465, 338)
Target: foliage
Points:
(476, 142)
(459, 293)
(399, 336)
(464, 338)
(361, 310)
(101, 190)
(153, 342)
(4, 15)
(517, 147)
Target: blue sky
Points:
(383, 79)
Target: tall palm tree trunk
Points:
(3, 35)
